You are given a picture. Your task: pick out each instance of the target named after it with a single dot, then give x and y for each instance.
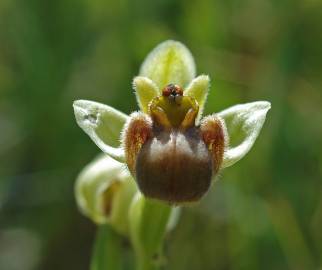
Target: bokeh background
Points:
(264, 213)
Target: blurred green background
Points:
(264, 213)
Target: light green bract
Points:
(106, 192)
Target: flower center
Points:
(172, 109)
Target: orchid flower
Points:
(168, 148)
(171, 150)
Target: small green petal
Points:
(145, 90)
(243, 122)
(198, 89)
(103, 124)
(169, 62)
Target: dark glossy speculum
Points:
(174, 166)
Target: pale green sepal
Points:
(104, 191)
(198, 89)
(145, 90)
(243, 122)
(103, 124)
(169, 62)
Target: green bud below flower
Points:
(104, 191)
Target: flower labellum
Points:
(171, 151)
(170, 157)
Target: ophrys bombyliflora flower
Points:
(171, 151)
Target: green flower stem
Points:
(107, 253)
(148, 222)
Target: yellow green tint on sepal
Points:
(198, 89)
(169, 62)
(145, 90)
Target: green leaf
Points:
(169, 62)
(198, 89)
(243, 122)
(145, 90)
(107, 253)
(103, 124)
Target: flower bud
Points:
(104, 191)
